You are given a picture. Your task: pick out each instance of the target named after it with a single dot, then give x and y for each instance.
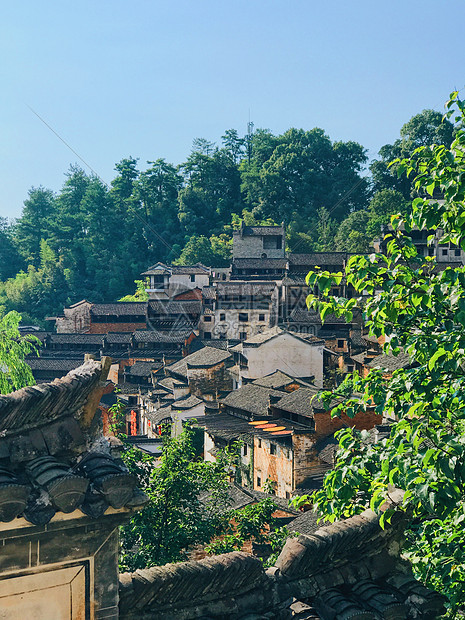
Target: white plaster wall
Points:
(232, 327)
(208, 445)
(288, 354)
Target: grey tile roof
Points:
(312, 317)
(306, 523)
(155, 336)
(241, 287)
(91, 339)
(275, 380)
(158, 268)
(187, 402)
(188, 306)
(142, 369)
(124, 338)
(203, 358)
(43, 431)
(252, 399)
(330, 259)
(53, 364)
(259, 263)
(248, 231)
(391, 362)
(121, 308)
(273, 332)
(298, 402)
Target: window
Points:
(259, 481)
(243, 317)
(261, 317)
(222, 317)
(192, 277)
(444, 251)
(207, 335)
(259, 442)
(272, 242)
(288, 495)
(244, 452)
(340, 344)
(457, 252)
(207, 319)
(272, 448)
(350, 368)
(242, 335)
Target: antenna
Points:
(250, 127)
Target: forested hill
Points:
(92, 241)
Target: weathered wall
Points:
(288, 354)
(326, 425)
(231, 328)
(275, 467)
(251, 246)
(305, 458)
(75, 320)
(209, 381)
(75, 555)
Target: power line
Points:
(139, 217)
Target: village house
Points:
(286, 434)
(278, 349)
(167, 281)
(236, 310)
(64, 492)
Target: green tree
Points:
(352, 233)
(422, 312)
(423, 129)
(35, 223)
(14, 346)
(140, 294)
(176, 516)
(385, 203)
(10, 259)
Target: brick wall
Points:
(326, 425)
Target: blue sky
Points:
(144, 78)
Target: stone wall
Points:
(351, 569)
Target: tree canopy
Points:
(419, 310)
(102, 237)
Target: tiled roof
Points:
(169, 383)
(243, 287)
(306, 523)
(391, 362)
(121, 308)
(118, 338)
(248, 231)
(154, 336)
(187, 306)
(161, 268)
(329, 259)
(53, 364)
(91, 339)
(226, 427)
(273, 332)
(349, 569)
(203, 358)
(142, 369)
(45, 434)
(252, 399)
(259, 263)
(209, 292)
(187, 402)
(298, 401)
(312, 317)
(275, 380)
